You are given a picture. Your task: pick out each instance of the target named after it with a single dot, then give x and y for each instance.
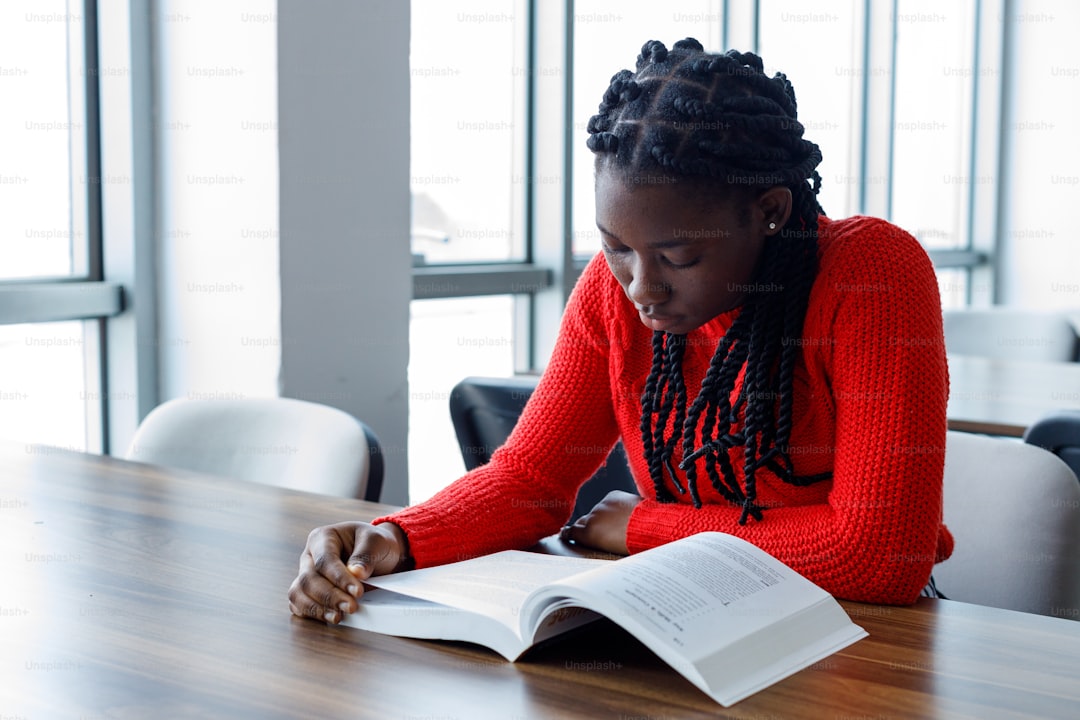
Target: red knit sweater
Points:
(869, 405)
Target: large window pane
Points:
(932, 126)
(43, 180)
(48, 391)
(449, 340)
(43, 392)
(468, 141)
(825, 84)
(607, 38)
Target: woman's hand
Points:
(336, 560)
(604, 527)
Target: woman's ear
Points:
(773, 209)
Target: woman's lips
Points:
(662, 323)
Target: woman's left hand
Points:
(604, 527)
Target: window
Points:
(44, 389)
(607, 38)
(44, 181)
(865, 83)
(469, 178)
(450, 339)
(826, 88)
(931, 159)
(49, 245)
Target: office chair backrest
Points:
(1014, 511)
(1011, 334)
(276, 441)
(1058, 432)
(484, 411)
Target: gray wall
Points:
(343, 122)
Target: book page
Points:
(677, 591)
(494, 585)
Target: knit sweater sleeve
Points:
(527, 490)
(875, 321)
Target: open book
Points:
(725, 614)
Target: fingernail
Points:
(356, 569)
(330, 616)
(354, 590)
(343, 607)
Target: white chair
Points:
(276, 441)
(1011, 334)
(1014, 511)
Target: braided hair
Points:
(721, 128)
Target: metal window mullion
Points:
(446, 281)
(80, 77)
(128, 235)
(740, 31)
(756, 31)
(893, 43)
(551, 154)
(969, 210)
(958, 259)
(95, 378)
(33, 302)
(93, 144)
(878, 104)
(992, 129)
(524, 307)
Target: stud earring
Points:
(772, 226)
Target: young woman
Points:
(772, 373)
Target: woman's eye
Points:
(680, 264)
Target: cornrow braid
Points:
(720, 126)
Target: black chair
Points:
(1058, 432)
(484, 410)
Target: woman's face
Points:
(678, 260)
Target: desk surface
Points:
(131, 592)
(1004, 397)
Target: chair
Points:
(1011, 334)
(1014, 511)
(276, 441)
(1058, 432)
(484, 410)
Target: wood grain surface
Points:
(128, 591)
(1004, 397)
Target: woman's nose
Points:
(646, 289)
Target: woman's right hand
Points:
(336, 561)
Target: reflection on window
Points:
(450, 340)
(608, 36)
(468, 78)
(42, 130)
(42, 391)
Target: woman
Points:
(772, 373)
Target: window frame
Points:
(549, 270)
(85, 295)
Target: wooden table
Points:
(1004, 397)
(133, 592)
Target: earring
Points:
(772, 226)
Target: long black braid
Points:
(719, 126)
